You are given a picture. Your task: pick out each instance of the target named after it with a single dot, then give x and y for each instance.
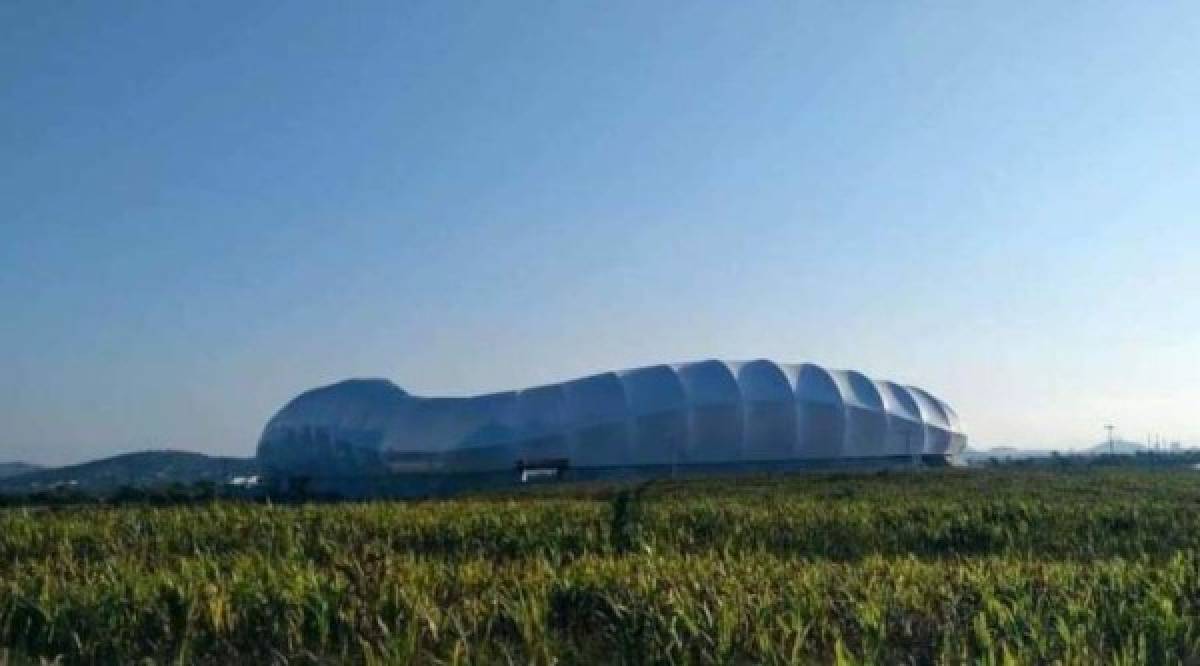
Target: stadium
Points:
(368, 437)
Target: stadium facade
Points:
(369, 437)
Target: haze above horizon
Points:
(206, 208)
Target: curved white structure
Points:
(704, 414)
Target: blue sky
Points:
(208, 207)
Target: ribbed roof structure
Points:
(707, 412)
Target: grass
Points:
(1005, 566)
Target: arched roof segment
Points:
(906, 428)
(932, 410)
(658, 407)
(353, 403)
(654, 388)
(937, 425)
(332, 426)
(899, 402)
(597, 409)
(543, 425)
(715, 429)
(770, 411)
(821, 412)
(542, 409)
(763, 380)
(858, 390)
(596, 399)
(866, 420)
(816, 384)
(708, 383)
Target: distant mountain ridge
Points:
(1003, 453)
(140, 469)
(1119, 446)
(10, 469)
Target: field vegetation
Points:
(989, 566)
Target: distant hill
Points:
(141, 469)
(16, 468)
(1119, 446)
(1003, 453)
(1008, 453)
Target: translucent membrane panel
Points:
(866, 431)
(659, 415)
(602, 445)
(597, 399)
(317, 450)
(770, 430)
(480, 459)
(821, 430)
(543, 448)
(542, 431)
(906, 430)
(661, 438)
(714, 409)
(596, 414)
(716, 433)
(443, 424)
(493, 419)
(904, 437)
(937, 435)
(285, 448)
(937, 440)
(820, 413)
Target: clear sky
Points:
(207, 207)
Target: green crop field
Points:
(1007, 566)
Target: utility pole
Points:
(1112, 445)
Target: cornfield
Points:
(990, 567)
